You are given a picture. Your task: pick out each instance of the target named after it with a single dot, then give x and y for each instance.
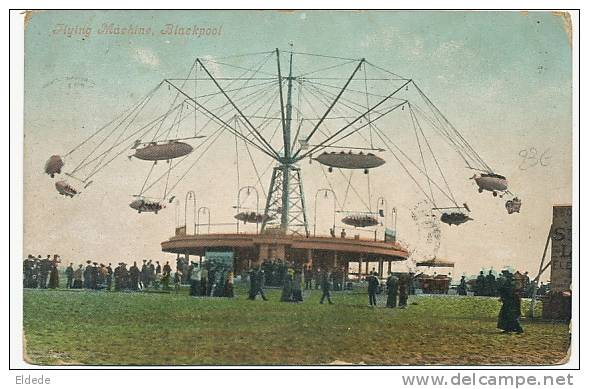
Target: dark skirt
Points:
(509, 317)
(53, 279)
(297, 295)
(229, 290)
(391, 300)
(194, 288)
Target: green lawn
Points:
(109, 328)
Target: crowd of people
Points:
(41, 272)
(213, 279)
(489, 285)
(210, 279)
(216, 279)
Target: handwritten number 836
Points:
(531, 157)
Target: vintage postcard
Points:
(298, 188)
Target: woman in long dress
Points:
(297, 293)
(287, 289)
(510, 312)
(53, 276)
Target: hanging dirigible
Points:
(154, 151)
(65, 189)
(360, 220)
(53, 165)
(252, 217)
(350, 160)
(455, 218)
(143, 205)
(491, 182)
(435, 262)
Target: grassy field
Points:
(108, 328)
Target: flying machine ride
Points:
(65, 189)
(492, 182)
(251, 217)
(285, 112)
(165, 151)
(350, 160)
(456, 218)
(53, 165)
(513, 205)
(143, 205)
(360, 220)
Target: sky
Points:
(504, 79)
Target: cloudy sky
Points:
(502, 78)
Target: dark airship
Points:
(251, 217)
(350, 160)
(491, 182)
(360, 220)
(53, 165)
(163, 151)
(65, 189)
(142, 205)
(455, 218)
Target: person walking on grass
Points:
(195, 277)
(510, 312)
(325, 286)
(53, 273)
(297, 284)
(403, 291)
(392, 290)
(69, 276)
(109, 273)
(78, 278)
(177, 280)
(256, 284)
(308, 277)
(372, 288)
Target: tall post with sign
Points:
(557, 304)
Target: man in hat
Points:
(44, 269)
(392, 290)
(372, 288)
(109, 274)
(462, 290)
(69, 276)
(480, 285)
(325, 286)
(118, 277)
(125, 276)
(78, 273)
(257, 283)
(88, 274)
(195, 277)
(308, 277)
(490, 284)
(167, 269)
(134, 276)
(104, 274)
(94, 276)
(28, 265)
(144, 276)
(204, 279)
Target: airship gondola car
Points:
(163, 151)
